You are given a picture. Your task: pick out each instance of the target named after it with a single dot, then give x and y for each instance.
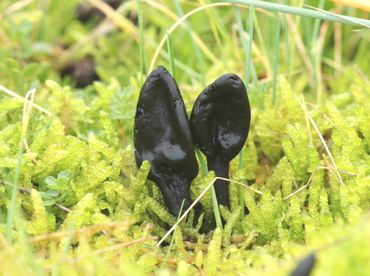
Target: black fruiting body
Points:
(82, 72)
(305, 266)
(220, 122)
(85, 11)
(162, 136)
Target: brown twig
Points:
(104, 250)
(24, 100)
(303, 187)
(28, 191)
(301, 49)
(323, 142)
(90, 230)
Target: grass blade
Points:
(123, 23)
(12, 208)
(216, 209)
(196, 48)
(171, 55)
(288, 49)
(178, 23)
(212, 24)
(143, 58)
(194, 36)
(264, 53)
(276, 58)
(173, 236)
(203, 165)
(314, 54)
(247, 45)
(303, 12)
(249, 53)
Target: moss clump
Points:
(83, 207)
(78, 171)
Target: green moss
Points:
(85, 207)
(94, 176)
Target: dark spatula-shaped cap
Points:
(162, 136)
(220, 122)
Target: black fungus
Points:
(305, 266)
(220, 122)
(85, 11)
(82, 72)
(162, 136)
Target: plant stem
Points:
(143, 58)
(276, 58)
(216, 209)
(13, 202)
(171, 55)
(221, 169)
(303, 12)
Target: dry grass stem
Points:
(15, 7)
(338, 47)
(175, 25)
(123, 23)
(358, 4)
(187, 212)
(323, 142)
(342, 171)
(344, 18)
(310, 179)
(301, 49)
(196, 201)
(241, 184)
(28, 191)
(90, 230)
(303, 187)
(25, 100)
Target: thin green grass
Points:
(216, 209)
(203, 164)
(242, 38)
(171, 55)
(177, 24)
(247, 45)
(315, 55)
(288, 49)
(212, 24)
(64, 252)
(250, 66)
(195, 46)
(12, 208)
(173, 236)
(220, 26)
(303, 12)
(143, 57)
(276, 57)
(24, 100)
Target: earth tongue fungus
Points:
(82, 72)
(162, 136)
(220, 122)
(85, 11)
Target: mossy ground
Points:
(83, 207)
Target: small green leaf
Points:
(50, 180)
(52, 193)
(64, 174)
(49, 202)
